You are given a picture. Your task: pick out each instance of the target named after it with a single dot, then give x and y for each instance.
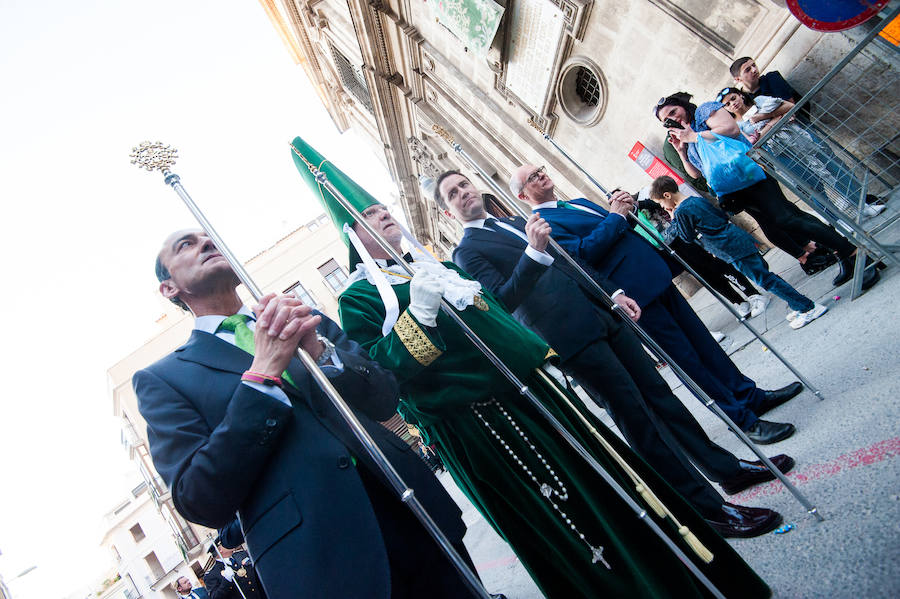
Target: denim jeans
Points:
(755, 267)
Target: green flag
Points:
(305, 157)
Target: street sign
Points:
(834, 15)
(652, 165)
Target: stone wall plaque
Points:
(536, 31)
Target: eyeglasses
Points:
(725, 91)
(655, 109)
(535, 175)
(373, 210)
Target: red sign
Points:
(652, 165)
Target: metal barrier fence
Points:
(838, 148)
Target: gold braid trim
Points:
(415, 340)
(550, 354)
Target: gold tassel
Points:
(695, 544)
(640, 486)
(651, 500)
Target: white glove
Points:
(227, 573)
(425, 292)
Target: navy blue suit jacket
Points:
(606, 243)
(549, 300)
(223, 447)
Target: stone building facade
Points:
(587, 72)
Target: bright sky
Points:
(84, 82)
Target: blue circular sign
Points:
(834, 15)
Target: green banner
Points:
(473, 22)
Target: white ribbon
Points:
(459, 292)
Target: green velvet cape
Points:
(441, 376)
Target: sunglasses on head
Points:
(659, 105)
(725, 91)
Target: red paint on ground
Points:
(866, 456)
(497, 563)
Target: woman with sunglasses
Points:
(798, 233)
(797, 148)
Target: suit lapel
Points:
(501, 237)
(209, 350)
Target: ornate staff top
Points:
(443, 133)
(154, 156)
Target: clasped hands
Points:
(283, 324)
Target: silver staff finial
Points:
(154, 156)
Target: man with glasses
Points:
(622, 259)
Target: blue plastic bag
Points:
(726, 166)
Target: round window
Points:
(581, 91)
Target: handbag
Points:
(726, 166)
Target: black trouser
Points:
(419, 568)
(784, 223)
(616, 370)
(721, 276)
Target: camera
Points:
(672, 124)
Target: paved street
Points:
(846, 445)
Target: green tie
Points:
(243, 337)
(564, 204)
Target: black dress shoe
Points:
(776, 397)
(753, 473)
(742, 521)
(870, 274)
(764, 432)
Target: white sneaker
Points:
(717, 335)
(744, 309)
(759, 304)
(804, 318)
(790, 316)
(870, 210)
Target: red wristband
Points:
(263, 379)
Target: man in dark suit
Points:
(318, 518)
(622, 259)
(510, 258)
(185, 589)
(232, 575)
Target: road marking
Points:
(497, 563)
(866, 456)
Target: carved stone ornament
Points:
(421, 155)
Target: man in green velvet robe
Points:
(569, 528)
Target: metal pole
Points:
(523, 389)
(159, 157)
(219, 553)
(645, 338)
(671, 252)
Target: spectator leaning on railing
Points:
(710, 142)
